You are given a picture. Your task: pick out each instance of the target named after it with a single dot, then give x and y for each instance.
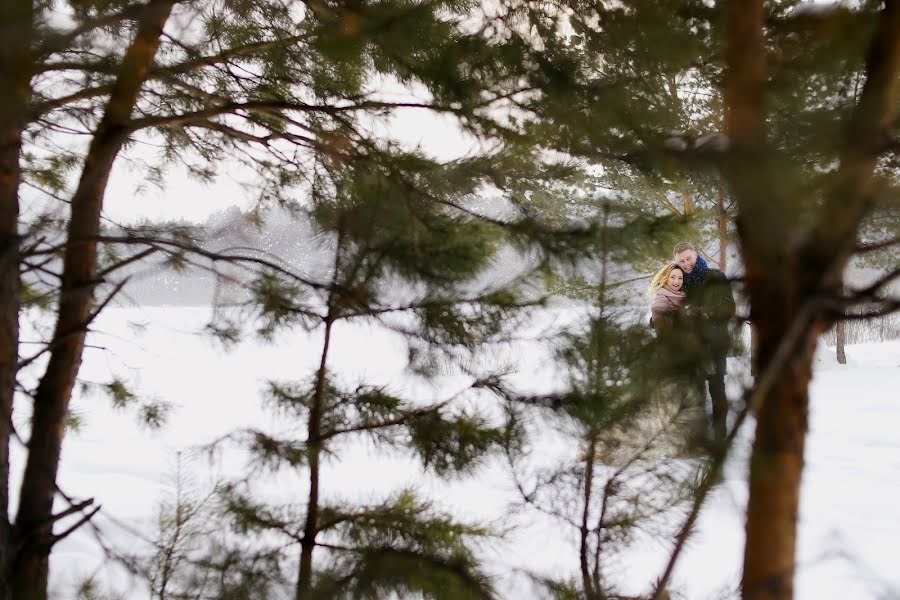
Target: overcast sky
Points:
(130, 198)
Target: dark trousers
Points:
(715, 382)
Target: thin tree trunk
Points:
(34, 523)
(722, 227)
(840, 335)
(584, 532)
(687, 204)
(16, 24)
(314, 440)
(314, 449)
(9, 334)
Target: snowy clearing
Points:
(849, 537)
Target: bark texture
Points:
(788, 269)
(33, 529)
(16, 24)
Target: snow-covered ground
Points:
(849, 532)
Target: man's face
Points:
(686, 259)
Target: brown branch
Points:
(889, 307)
(223, 56)
(109, 298)
(274, 107)
(865, 138)
(214, 256)
(60, 339)
(156, 73)
(87, 517)
(125, 262)
(39, 266)
(39, 110)
(262, 140)
(401, 420)
(74, 508)
(877, 285)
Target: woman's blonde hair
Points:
(661, 277)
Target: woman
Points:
(679, 353)
(668, 296)
(667, 308)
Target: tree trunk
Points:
(314, 449)
(781, 419)
(587, 581)
(16, 24)
(782, 276)
(776, 466)
(840, 334)
(9, 329)
(722, 227)
(32, 532)
(687, 204)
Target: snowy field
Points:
(849, 528)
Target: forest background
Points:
(598, 134)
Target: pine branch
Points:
(27, 267)
(41, 109)
(475, 588)
(244, 136)
(125, 262)
(865, 137)
(225, 55)
(401, 419)
(221, 256)
(81, 330)
(74, 508)
(63, 535)
(274, 108)
(888, 307)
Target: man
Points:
(709, 298)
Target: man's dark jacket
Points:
(710, 300)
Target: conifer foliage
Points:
(796, 110)
(804, 143)
(625, 419)
(290, 91)
(410, 265)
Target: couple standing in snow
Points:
(692, 307)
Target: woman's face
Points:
(676, 279)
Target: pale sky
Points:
(128, 198)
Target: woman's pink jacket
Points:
(666, 301)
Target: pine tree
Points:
(287, 91)
(648, 89)
(421, 268)
(628, 415)
(805, 160)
